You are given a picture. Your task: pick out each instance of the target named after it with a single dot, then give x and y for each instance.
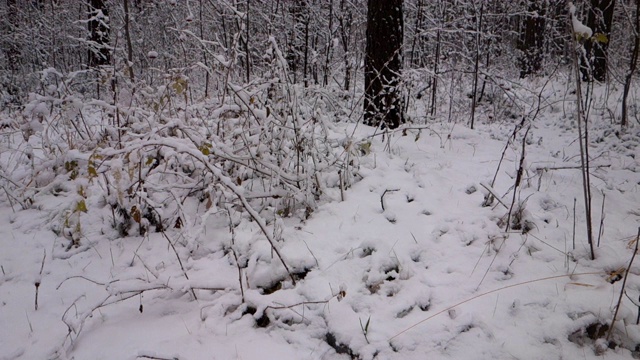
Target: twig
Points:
(545, 168)
(485, 294)
(382, 197)
(518, 177)
(341, 185)
(39, 279)
(518, 127)
(624, 283)
(235, 255)
(28, 321)
(184, 272)
(85, 278)
(154, 357)
(494, 194)
(601, 229)
(339, 295)
(574, 223)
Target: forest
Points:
(319, 179)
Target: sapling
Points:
(583, 136)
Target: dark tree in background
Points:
(599, 20)
(383, 63)
(531, 40)
(12, 51)
(99, 53)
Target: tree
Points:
(531, 40)
(99, 33)
(383, 63)
(633, 64)
(599, 20)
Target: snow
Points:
(434, 272)
(578, 27)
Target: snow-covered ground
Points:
(409, 266)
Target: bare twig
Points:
(569, 167)
(494, 194)
(485, 294)
(85, 278)
(601, 229)
(39, 279)
(518, 178)
(382, 197)
(184, 272)
(154, 357)
(574, 223)
(624, 283)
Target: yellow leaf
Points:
(92, 170)
(81, 206)
(600, 38)
(205, 149)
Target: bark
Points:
(127, 34)
(633, 63)
(531, 41)
(12, 51)
(99, 53)
(345, 21)
(599, 20)
(383, 63)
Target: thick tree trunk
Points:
(383, 63)
(531, 41)
(99, 53)
(599, 20)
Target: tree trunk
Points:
(99, 53)
(632, 66)
(329, 47)
(383, 63)
(127, 35)
(416, 60)
(599, 20)
(476, 67)
(531, 40)
(12, 51)
(345, 20)
(299, 11)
